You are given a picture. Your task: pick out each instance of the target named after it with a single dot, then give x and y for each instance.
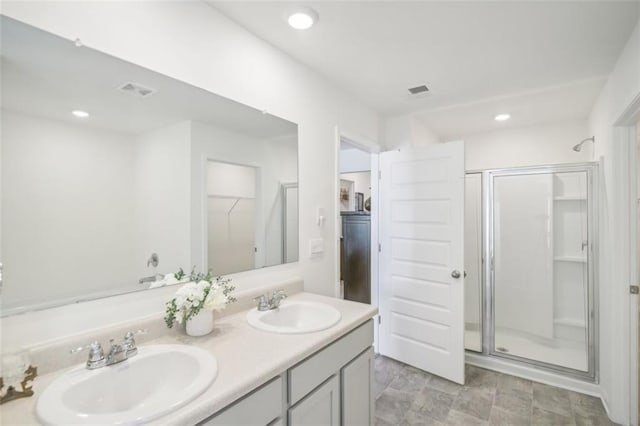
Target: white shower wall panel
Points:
(473, 261)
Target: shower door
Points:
(540, 307)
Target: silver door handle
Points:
(455, 274)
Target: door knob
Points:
(455, 274)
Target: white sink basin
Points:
(293, 317)
(151, 384)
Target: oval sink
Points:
(149, 385)
(294, 317)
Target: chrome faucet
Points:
(96, 355)
(276, 298)
(266, 303)
(129, 343)
(117, 353)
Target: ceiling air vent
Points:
(136, 89)
(418, 89)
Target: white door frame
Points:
(373, 148)
(624, 140)
(634, 356)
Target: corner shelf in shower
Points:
(569, 217)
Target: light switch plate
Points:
(321, 217)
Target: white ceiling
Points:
(48, 76)
(464, 51)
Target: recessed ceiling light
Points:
(80, 114)
(502, 117)
(303, 19)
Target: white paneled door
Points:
(422, 258)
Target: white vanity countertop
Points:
(246, 359)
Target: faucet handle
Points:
(276, 298)
(129, 343)
(278, 295)
(96, 354)
(130, 334)
(95, 347)
(263, 303)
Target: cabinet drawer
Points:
(310, 373)
(261, 407)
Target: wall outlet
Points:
(316, 247)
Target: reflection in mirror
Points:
(231, 193)
(290, 222)
(114, 176)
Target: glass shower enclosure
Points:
(529, 253)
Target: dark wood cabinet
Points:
(355, 256)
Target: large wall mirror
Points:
(114, 176)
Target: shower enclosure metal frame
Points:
(487, 276)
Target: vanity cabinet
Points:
(320, 407)
(358, 390)
(332, 387)
(263, 406)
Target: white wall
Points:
(361, 181)
(622, 88)
(405, 130)
(528, 146)
(230, 180)
(548, 143)
(354, 160)
(194, 43)
(162, 191)
(67, 202)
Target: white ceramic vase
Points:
(200, 324)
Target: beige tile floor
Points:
(408, 396)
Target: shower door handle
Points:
(455, 274)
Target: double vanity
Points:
(309, 361)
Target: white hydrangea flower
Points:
(191, 297)
(216, 299)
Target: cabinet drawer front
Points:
(357, 390)
(321, 407)
(261, 407)
(311, 372)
